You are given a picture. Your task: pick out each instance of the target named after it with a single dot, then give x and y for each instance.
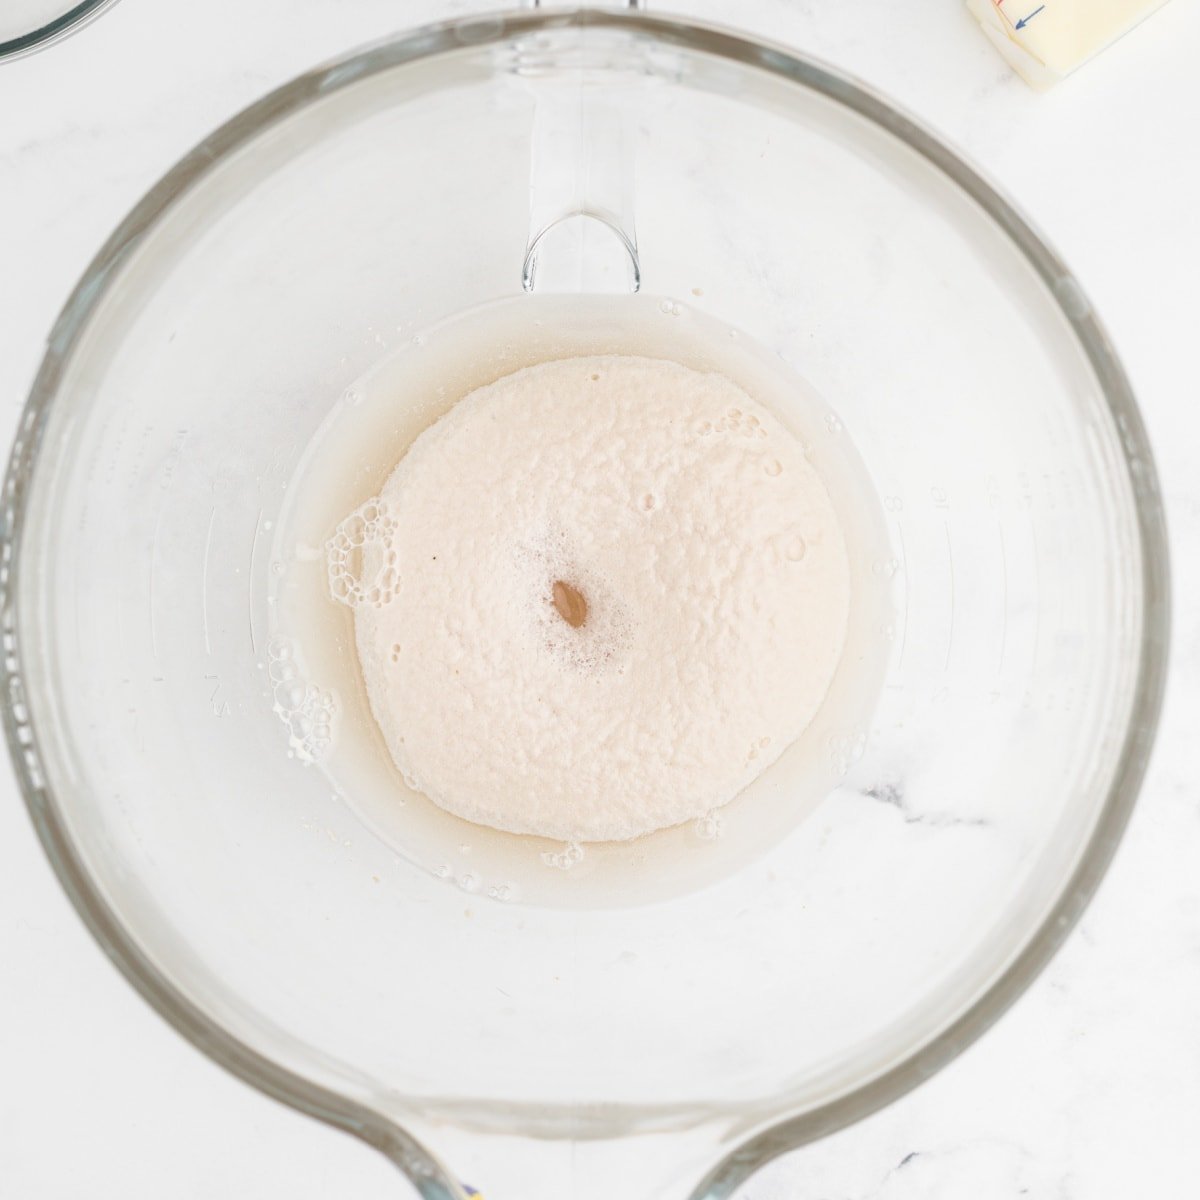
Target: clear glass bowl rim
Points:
(477, 31)
(62, 26)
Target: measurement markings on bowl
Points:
(204, 581)
(250, 580)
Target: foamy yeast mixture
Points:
(595, 599)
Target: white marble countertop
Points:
(1090, 1088)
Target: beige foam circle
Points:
(705, 550)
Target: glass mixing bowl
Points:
(648, 1050)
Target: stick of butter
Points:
(1044, 42)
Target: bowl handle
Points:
(582, 235)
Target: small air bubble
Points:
(441, 871)
(468, 883)
(773, 467)
(833, 423)
(281, 671)
(796, 548)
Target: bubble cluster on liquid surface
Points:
(469, 881)
(307, 711)
(564, 859)
(734, 421)
(361, 557)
